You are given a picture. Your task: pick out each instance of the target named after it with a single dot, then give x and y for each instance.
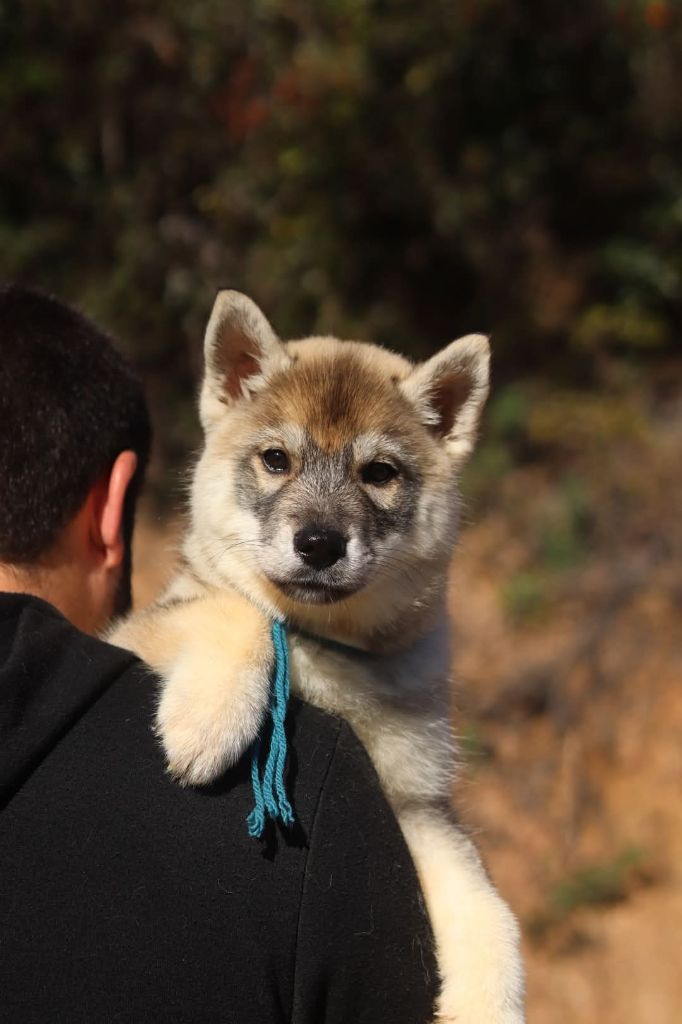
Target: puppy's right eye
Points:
(276, 460)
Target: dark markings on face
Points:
(399, 516)
(250, 494)
(326, 491)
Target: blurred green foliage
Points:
(595, 885)
(525, 597)
(565, 532)
(598, 883)
(473, 746)
(395, 171)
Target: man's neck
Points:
(16, 579)
(61, 586)
(31, 579)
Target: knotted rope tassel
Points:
(270, 799)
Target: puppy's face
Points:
(330, 467)
(330, 472)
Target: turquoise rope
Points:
(270, 799)
(282, 689)
(256, 819)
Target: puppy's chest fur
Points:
(397, 703)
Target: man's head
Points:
(74, 441)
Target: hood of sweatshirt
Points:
(50, 674)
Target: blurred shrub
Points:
(507, 418)
(575, 420)
(564, 534)
(525, 597)
(396, 171)
(473, 746)
(595, 885)
(624, 326)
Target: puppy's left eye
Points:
(276, 460)
(378, 473)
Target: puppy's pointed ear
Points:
(241, 351)
(449, 391)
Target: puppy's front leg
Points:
(214, 655)
(477, 937)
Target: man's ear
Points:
(110, 513)
(449, 391)
(240, 351)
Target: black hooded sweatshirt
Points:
(125, 897)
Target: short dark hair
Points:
(69, 404)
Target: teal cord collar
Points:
(336, 646)
(270, 798)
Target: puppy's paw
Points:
(207, 717)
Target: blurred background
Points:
(406, 173)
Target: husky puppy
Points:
(326, 495)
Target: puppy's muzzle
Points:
(319, 547)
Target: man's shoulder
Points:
(143, 877)
(59, 685)
(51, 674)
(38, 635)
(84, 747)
(163, 884)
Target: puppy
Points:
(326, 496)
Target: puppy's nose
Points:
(318, 547)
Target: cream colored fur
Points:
(209, 635)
